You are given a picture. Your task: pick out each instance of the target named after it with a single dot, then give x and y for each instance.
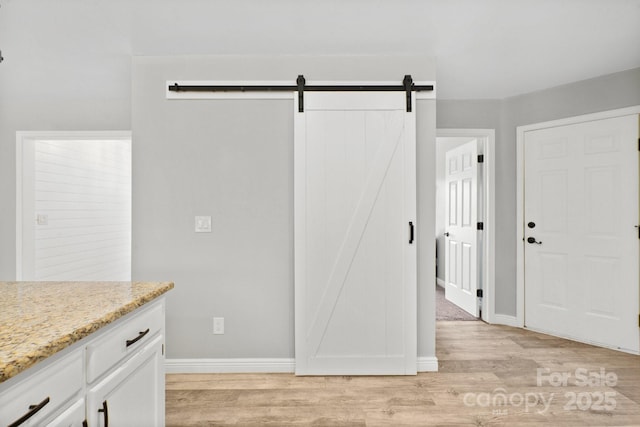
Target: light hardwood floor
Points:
(479, 365)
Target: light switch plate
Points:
(203, 224)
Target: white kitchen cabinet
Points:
(44, 393)
(114, 374)
(133, 394)
(71, 417)
(105, 352)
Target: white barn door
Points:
(581, 244)
(355, 262)
(461, 236)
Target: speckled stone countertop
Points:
(38, 319)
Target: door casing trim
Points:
(488, 248)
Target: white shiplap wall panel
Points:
(50, 259)
(83, 187)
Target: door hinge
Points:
(163, 349)
(638, 228)
(638, 144)
(480, 158)
(481, 226)
(479, 293)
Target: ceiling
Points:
(484, 49)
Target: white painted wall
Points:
(82, 194)
(73, 216)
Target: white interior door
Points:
(355, 263)
(581, 247)
(461, 236)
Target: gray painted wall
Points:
(233, 160)
(60, 92)
(486, 114)
(589, 96)
(600, 94)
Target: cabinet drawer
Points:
(47, 390)
(132, 334)
(73, 416)
(132, 394)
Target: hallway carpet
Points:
(446, 310)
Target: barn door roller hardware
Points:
(407, 86)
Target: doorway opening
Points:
(465, 224)
(73, 210)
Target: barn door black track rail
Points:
(407, 86)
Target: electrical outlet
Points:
(218, 325)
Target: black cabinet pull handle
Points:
(33, 409)
(410, 232)
(105, 411)
(138, 338)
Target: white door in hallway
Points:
(461, 237)
(581, 243)
(355, 260)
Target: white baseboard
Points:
(428, 364)
(440, 282)
(504, 319)
(247, 366)
(219, 366)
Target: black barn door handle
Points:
(410, 232)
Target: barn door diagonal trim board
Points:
(355, 267)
